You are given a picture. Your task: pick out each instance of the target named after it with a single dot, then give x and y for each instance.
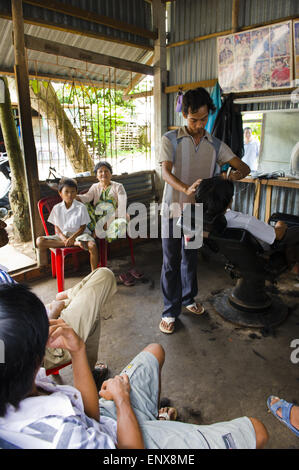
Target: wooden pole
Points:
(22, 81)
(235, 15)
(160, 81)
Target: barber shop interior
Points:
(149, 219)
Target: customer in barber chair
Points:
(216, 195)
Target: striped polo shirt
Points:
(5, 278)
(190, 162)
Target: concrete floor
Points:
(214, 371)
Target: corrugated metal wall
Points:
(198, 61)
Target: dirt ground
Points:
(214, 370)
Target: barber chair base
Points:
(267, 317)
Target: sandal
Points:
(127, 279)
(168, 414)
(136, 274)
(100, 374)
(285, 411)
(170, 322)
(195, 308)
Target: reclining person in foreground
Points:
(35, 413)
(216, 195)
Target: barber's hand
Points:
(191, 189)
(61, 335)
(235, 175)
(116, 389)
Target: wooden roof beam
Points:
(92, 16)
(9, 72)
(190, 86)
(72, 30)
(137, 79)
(55, 48)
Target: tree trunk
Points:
(44, 100)
(18, 195)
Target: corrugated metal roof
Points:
(136, 12)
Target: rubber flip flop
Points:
(100, 374)
(127, 279)
(165, 415)
(135, 273)
(195, 305)
(170, 322)
(285, 412)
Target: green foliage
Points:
(96, 113)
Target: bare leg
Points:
(44, 243)
(261, 433)
(94, 255)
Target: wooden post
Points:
(160, 81)
(257, 196)
(235, 15)
(268, 203)
(22, 82)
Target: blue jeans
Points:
(179, 272)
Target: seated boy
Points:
(35, 413)
(70, 218)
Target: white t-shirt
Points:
(251, 153)
(263, 232)
(69, 220)
(55, 421)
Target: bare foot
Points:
(61, 295)
(294, 416)
(55, 308)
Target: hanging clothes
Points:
(228, 125)
(216, 97)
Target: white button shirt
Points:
(69, 220)
(263, 232)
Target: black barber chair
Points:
(248, 304)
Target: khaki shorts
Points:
(143, 372)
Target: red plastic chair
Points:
(55, 370)
(57, 254)
(104, 248)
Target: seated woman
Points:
(216, 195)
(106, 203)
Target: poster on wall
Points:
(258, 59)
(296, 49)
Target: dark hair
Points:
(195, 99)
(247, 129)
(215, 194)
(102, 163)
(24, 330)
(67, 182)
